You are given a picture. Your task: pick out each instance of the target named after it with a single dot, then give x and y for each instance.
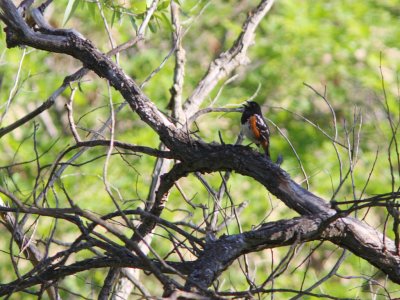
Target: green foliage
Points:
(338, 46)
(71, 7)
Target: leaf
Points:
(164, 19)
(163, 5)
(139, 6)
(153, 28)
(133, 22)
(71, 7)
(117, 15)
(113, 18)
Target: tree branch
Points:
(218, 255)
(197, 156)
(29, 249)
(227, 61)
(175, 103)
(54, 273)
(18, 33)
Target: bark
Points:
(317, 222)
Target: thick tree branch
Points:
(218, 255)
(196, 156)
(18, 33)
(349, 233)
(54, 273)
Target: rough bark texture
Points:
(317, 221)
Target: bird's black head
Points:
(250, 108)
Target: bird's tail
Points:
(265, 145)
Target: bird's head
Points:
(252, 106)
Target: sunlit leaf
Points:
(163, 18)
(113, 18)
(71, 7)
(139, 6)
(153, 27)
(163, 5)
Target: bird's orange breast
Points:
(253, 127)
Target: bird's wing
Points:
(263, 128)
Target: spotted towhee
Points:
(254, 126)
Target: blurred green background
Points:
(347, 50)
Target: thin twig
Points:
(69, 107)
(13, 90)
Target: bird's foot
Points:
(279, 160)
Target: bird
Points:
(254, 126)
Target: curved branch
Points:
(219, 254)
(18, 33)
(348, 232)
(212, 109)
(54, 273)
(352, 234)
(126, 146)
